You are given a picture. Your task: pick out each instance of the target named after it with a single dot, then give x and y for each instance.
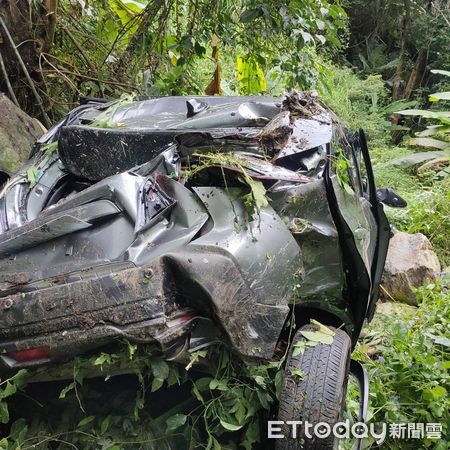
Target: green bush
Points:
(407, 355)
(387, 175)
(359, 102)
(428, 212)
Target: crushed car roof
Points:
(120, 135)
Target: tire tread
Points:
(319, 396)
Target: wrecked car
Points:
(188, 221)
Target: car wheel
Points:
(314, 390)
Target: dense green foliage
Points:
(436, 135)
(166, 47)
(409, 364)
(401, 40)
(228, 398)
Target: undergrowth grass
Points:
(406, 351)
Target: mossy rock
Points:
(18, 132)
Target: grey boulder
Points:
(410, 263)
(18, 132)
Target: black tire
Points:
(318, 395)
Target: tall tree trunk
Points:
(416, 74)
(397, 85)
(398, 81)
(413, 82)
(50, 6)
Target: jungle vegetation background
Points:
(367, 59)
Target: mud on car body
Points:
(143, 220)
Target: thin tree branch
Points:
(86, 77)
(8, 84)
(26, 73)
(80, 50)
(148, 15)
(57, 70)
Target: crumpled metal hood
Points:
(104, 140)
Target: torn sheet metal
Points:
(182, 221)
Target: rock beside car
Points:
(410, 263)
(18, 132)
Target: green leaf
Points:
(4, 413)
(176, 421)
(250, 14)
(396, 105)
(433, 130)
(439, 115)
(224, 360)
(135, 5)
(18, 431)
(229, 426)
(251, 435)
(19, 378)
(220, 385)
(334, 40)
(199, 49)
(66, 390)
(86, 421)
(278, 383)
(439, 96)
(299, 348)
(8, 390)
(132, 348)
(50, 148)
(126, 10)
(202, 384)
(197, 394)
(32, 176)
(317, 336)
(195, 357)
(174, 376)
(298, 374)
(160, 368)
(441, 72)
(104, 425)
(240, 413)
(417, 158)
(213, 443)
(264, 398)
(323, 328)
(428, 142)
(442, 340)
(260, 380)
(259, 194)
(250, 76)
(156, 384)
(439, 392)
(104, 358)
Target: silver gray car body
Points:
(106, 238)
